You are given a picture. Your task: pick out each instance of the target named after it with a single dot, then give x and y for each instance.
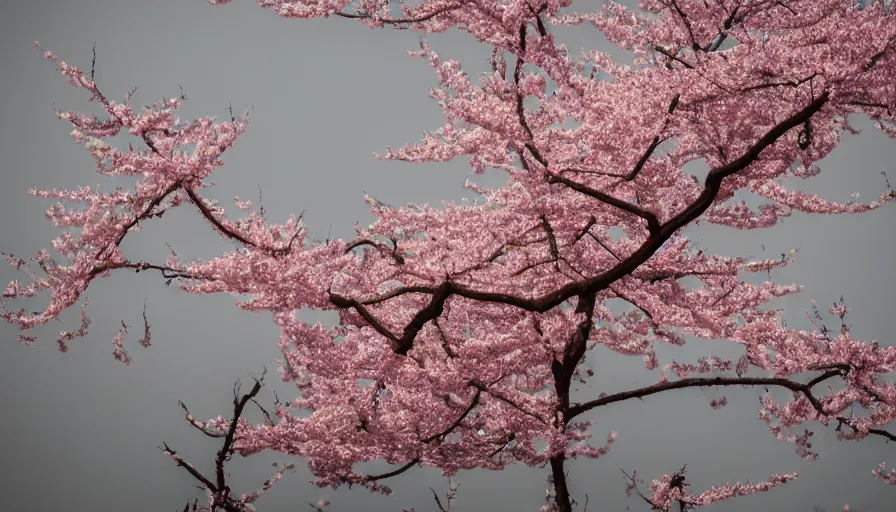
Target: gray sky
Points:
(81, 430)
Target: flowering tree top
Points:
(462, 329)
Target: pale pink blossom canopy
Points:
(462, 327)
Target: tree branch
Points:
(224, 230)
(219, 490)
(653, 224)
(390, 474)
(382, 247)
(577, 409)
(395, 21)
(653, 145)
(673, 57)
(441, 435)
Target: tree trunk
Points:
(561, 491)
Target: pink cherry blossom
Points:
(462, 328)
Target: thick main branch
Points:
(595, 284)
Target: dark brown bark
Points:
(564, 503)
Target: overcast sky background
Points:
(80, 431)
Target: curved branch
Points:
(147, 213)
(400, 291)
(441, 435)
(805, 389)
(393, 21)
(207, 213)
(373, 243)
(390, 474)
(224, 230)
(345, 302)
(192, 421)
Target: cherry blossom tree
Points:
(463, 329)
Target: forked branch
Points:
(220, 494)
